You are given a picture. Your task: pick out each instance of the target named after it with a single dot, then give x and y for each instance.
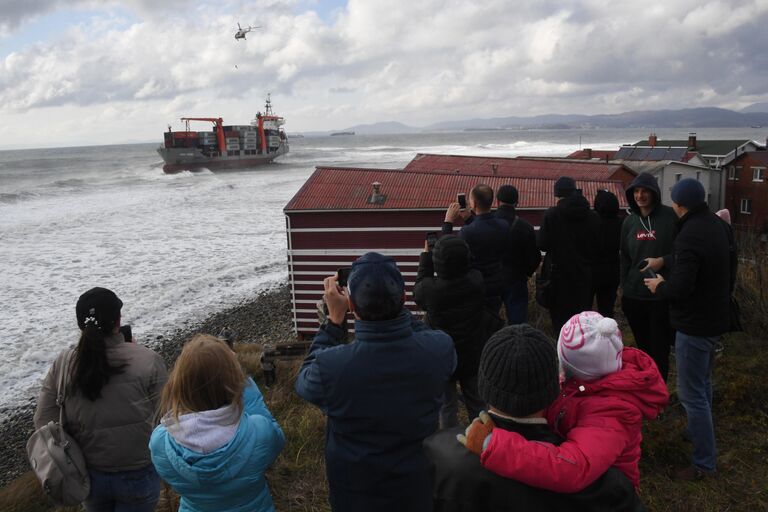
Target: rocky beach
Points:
(265, 320)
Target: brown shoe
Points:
(694, 474)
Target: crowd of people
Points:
(555, 424)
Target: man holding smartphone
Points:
(381, 393)
(486, 237)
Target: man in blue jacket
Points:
(381, 393)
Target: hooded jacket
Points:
(569, 235)
(454, 301)
(381, 394)
(703, 270)
(601, 421)
(606, 269)
(461, 484)
(224, 470)
(113, 430)
(644, 237)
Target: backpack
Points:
(56, 458)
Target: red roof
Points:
(590, 154)
(337, 188)
(521, 167)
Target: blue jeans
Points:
(694, 356)
(137, 490)
(516, 303)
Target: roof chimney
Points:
(692, 140)
(376, 197)
(588, 153)
(652, 139)
(494, 168)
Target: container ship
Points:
(233, 146)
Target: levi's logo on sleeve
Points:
(646, 235)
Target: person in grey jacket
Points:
(112, 394)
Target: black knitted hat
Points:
(507, 194)
(100, 308)
(519, 371)
(451, 257)
(564, 186)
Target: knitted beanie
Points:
(518, 371)
(451, 257)
(564, 186)
(688, 193)
(590, 346)
(99, 308)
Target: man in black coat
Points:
(486, 237)
(569, 236)
(698, 288)
(520, 259)
(605, 273)
(518, 379)
(454, 303)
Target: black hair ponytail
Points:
(91, 369)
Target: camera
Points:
(462, 200)
(343, 275)
(127, 333)
(431, 239)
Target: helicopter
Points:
(240, 34)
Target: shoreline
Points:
(264, 319)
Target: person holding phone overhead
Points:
(486, 237)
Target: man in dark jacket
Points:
(520, 259)
(486, 237)
(605, 274)
(381, 393)
(648, 231)
(698, 288)
(569, 236)
(454, 303)
(518, 380)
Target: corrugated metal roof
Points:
(337, 188)
(518, 167)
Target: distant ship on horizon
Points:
(342, 133)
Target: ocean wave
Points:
(11, 198)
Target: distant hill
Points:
(754, 108)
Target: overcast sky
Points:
(99, 71)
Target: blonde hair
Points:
(206, 376)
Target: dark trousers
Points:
(649, 321)
(605, 296)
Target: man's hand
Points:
(452, 214)
(335, 298)
(465, 213)
(655, 264)
(653, 283)
(475, 435)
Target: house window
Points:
(731, 173)
(677, 177)
(698, 175)
(746, 206)
(757, 173)
(738, 172)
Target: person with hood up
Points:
(605, 274)
(607, 393)
(647, 232)
(569, 236)
(454, 304)
(216, 438)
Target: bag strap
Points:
(61, 390)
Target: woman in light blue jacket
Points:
(216, 438)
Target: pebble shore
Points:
(266, 319)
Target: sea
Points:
(178, 247)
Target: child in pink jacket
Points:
(607, 392)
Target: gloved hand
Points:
(477, 432)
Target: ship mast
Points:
(268, 106)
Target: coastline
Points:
(264, 319)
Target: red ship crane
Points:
(218, 122)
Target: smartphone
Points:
(462, 200)
(127, 334)
(646, 270)
(343, 275)
(431, 239)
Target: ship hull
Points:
(192, 159)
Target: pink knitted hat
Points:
(590, 346)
